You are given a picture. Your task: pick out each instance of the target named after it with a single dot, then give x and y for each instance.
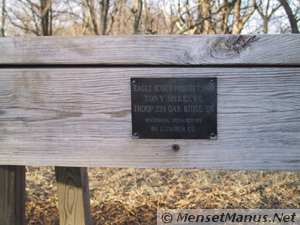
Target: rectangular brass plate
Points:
(174, 108)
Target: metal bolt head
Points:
(175, 147)
(213, 135)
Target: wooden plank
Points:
(73, 196)
(152, 50)
(82, 117)
(12, 195)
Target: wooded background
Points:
(123, 17)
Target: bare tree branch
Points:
(290, 15)
(3, 18)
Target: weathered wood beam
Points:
(82, 117)
(152, 50)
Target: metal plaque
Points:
(174, 108)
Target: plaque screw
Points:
(135, 134)
(212, 135)
(212, 81)
(175, 147)
(133, 81)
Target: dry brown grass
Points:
(132, 196)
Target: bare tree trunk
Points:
(121, 8)
(45, 14)
(85, 23)
(239, 21)
(225, 12)
(199, 16)
(148, 22)
(113, 14)
(137, 11)
(51, 19)
(203, 14)
(266, 25)
(264, 15)
(188, 17)
(237, 9)
(91, 6)
(290, 15)
(206, 12)
(3, 19)
(224, 20)
(104, 5)
(172, 19)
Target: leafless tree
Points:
(241, 18)
(113, 14)
(149, 18)
(292, 19)
(211, 17)
(31, 16)
(206, 14)
(92, 15)
(265, 14)
(46, 17)
(137, 12)
(96, 17)
(97, 27)
(225, 13)
(104, 5)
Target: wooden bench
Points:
(66, 102)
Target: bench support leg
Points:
(12, 195)
(73, 196)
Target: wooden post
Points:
(12, 195)
(73, 196)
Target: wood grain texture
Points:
(152, 50)
(12, 195)
(73, 196)
(82, 117)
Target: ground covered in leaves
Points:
(132, 196)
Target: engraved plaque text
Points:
(174, 108)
